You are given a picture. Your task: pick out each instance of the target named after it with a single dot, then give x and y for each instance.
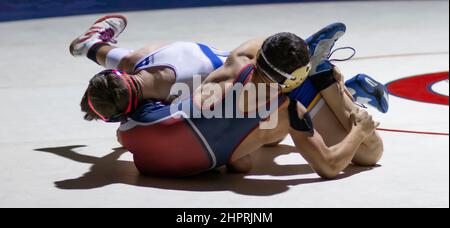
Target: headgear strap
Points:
(291, 82)
(132, 95)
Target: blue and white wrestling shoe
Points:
(320, 45)
(366, 90)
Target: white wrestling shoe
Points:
(105, 30)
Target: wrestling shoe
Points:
(321, 44)
(365, 90)
(105, 30)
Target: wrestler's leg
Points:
(112, 57)
(327, 124)
(102, 53)
(371, 151)
(97, 42)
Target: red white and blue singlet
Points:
(173, 144)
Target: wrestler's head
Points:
(284, 59)
(110, 96)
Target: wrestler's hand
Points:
(363, 122)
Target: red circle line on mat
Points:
(413, 132)
(418, 88)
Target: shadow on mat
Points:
(109, 170)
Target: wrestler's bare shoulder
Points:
(239, 58)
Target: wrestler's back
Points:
(258, 137)
(189, 146)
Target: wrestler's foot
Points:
(105, 30)
(321, 44)
(366, 90)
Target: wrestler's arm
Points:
(342, 105)
(238, 59)
(227, 74)
(327, 161)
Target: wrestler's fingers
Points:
(341, 87)
(339, 90)
(337, 74)
(349, 94)
(364, 114)
(356, 110)
(353, 119)
(377, 124)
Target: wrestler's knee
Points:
(370, 153)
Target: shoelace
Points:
(107, 36)
(343, 60)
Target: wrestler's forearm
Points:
(328, 162)
(343, 153)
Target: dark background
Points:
(11, 10)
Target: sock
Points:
(114, 57)
(92, 51)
